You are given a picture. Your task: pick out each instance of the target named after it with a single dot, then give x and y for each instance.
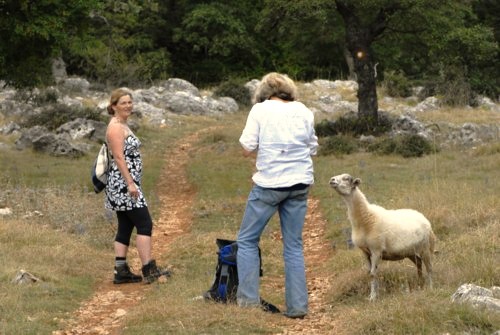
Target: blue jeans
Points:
(262, 204)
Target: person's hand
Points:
(133, 190)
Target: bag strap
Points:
(109, 156)
(224, 276)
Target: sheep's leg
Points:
(428, 267)
(368, 261)
(417, 260)
(373, 288)
(373, 273)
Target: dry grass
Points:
(461, 115)
(309, 92)
(68, 269)
(460, 195)
(458, 192)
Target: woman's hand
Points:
(133, 190)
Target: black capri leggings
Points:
(127, 220)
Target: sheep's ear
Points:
(356, 182)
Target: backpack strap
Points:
(224, 276)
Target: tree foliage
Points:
(219, 41)
(450, 45)
(123, 45)
(32, 32)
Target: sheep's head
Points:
(344, 183)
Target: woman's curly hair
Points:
(275, 85)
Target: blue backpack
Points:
(225, 283)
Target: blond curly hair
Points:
(275, 84)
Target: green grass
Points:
(459, 193)
(70, 246)
(63, 263)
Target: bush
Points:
(153, 65)
(404, 145)
(338, 145)
(385, 146)
(350, 124)
(41, 98)
(455, 87)
(47, 96)
(429, 88)
(56, 115)
(414, 146)
(235, 89)
(397, 84)
(326, 128)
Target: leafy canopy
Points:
(32, 33)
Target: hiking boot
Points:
(151, 272)
(124, 275)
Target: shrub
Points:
(397, 84)
(413, 146)
(235, 89)
(353, 125)
(338, 145)
(215, 137)
(24, 95)
(325, 128)
(153, 65)
(408, 145)
(454, 86)
(429, 88)
(56, 115)
(385, 146)
(42, 98)
(47, 96)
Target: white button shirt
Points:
(283, 133)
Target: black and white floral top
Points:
(117, 196)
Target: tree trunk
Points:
(358, 41)
(367, 86)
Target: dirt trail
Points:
(103, 313)
(317, 250)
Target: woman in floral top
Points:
(124, 194)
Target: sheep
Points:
(384, 234)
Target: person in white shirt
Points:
(281, 131)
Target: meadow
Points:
(60, 232)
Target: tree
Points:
(218, 41)
(122, 47)
(367, 22)
(442, 40)
(32, 33)
(359, 37)
(301, 39)
(409, 34)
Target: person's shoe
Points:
(294, 316)
(124, 275)
(268, 307)
(151, 272)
